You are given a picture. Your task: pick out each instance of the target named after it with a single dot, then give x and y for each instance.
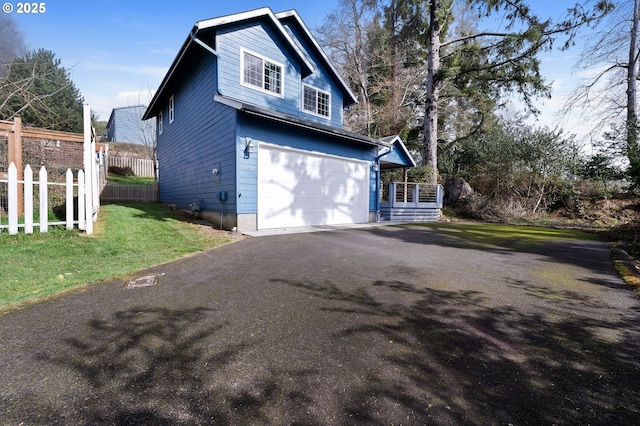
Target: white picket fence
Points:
(86, 188)
(43, 197)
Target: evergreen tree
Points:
(511, 66)
(38, 89)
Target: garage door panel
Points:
(298, 188)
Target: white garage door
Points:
(302, 188)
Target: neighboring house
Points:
(249, 129)
(126, 125)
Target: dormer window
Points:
(316, 101)
(261, 73)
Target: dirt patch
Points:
(207, 228)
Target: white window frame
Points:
(172, 109)
(160, 123)
(315, 112)
(263, 59)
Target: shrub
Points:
(122, 171)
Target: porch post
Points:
(392, 194)
(405, 179)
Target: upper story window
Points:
(316, 101)
(261, 73)
(172, 115)
(160, 123)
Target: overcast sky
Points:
(116, 49)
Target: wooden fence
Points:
(140, 167)
(114, 192)
(16, 185)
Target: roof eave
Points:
(395, 139)
(253, 14)
(347, 90)
(150, 112)
(298, 122)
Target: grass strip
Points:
(128, 237)
(511, 236)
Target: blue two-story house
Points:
(249, 129)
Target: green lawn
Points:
(512, 236)
(127, 238)
(130, 180)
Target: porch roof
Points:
(394, 154)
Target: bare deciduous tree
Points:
(611, 62)
(12, 44)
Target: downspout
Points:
(217, 55)
(214, 52)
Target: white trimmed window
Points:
(259, 72)
(316, 101)
(160, 123)
(172, 115)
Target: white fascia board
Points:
(393, 140)
(293, 13)
(257, 13)
(227, 101)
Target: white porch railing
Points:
(409, 201)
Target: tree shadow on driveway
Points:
(440, 357)
(360, 327)
(159, 366)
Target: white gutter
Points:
(211, 50)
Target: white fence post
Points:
(69, 200)
(13, 199)
(28, 200)
(81, 200)
(44, 211)
(88, 170)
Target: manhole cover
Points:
(146, 281)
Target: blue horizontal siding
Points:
(321, 78)
(396, 156)
(263, 40)
(127, 126)
(200, 138)
(263, 130)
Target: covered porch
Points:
(406, 201)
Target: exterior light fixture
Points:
(248, 146)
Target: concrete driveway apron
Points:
(387, 325)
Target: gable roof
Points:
(292, 15)
(264, 12)
(112, 117)
(394, 149)
(189, 49)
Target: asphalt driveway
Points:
(388, 325)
